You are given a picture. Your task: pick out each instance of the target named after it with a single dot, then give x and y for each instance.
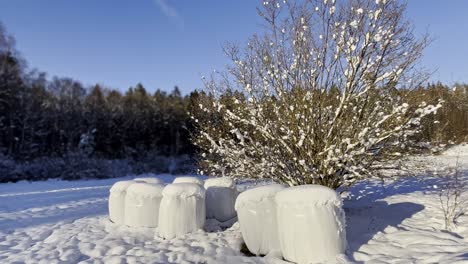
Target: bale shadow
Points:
(365, 220)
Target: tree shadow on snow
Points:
(365, 220)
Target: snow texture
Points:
(182, 210)
(221, 194)
(256, 211)
(257, 194)
(184, 189)
(153, 180)
(117, 201)
(219, 182)
(142, 204)
(189, 180)
(395, 221)
(459, 150)
(311, 224)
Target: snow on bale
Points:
(117, 201)
(188, 179)
(256, 212)
(221, 195)
(152, 180)
(182, 209)
(142, 204)
(311, 224)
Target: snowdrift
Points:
(458, 150)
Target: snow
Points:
(184, 189)
(221, 195)
(396, 221)
(189, 180)
(256, 211)
(182, 210)
(117, 201)
(142, 204)
(311, 224)
(219, 182)
(308, 194)
(149, 180)
(458, 150)
(258, 194)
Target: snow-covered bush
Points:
(453, 193)
(188, 179)
(38, 169)
(118, 168)
(311, 224)
(153, 162)
(7, 165)
(80, 166)
(182, 209)
(142, 203)
(117, 195)
(316, 99)
(221, 194)
(184, 164)
(87, 143)
(256, 211)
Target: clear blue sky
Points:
(163, 43)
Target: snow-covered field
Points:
(399, 221)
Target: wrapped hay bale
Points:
(256, 212)
(142, 204)
(152, 180)
(221, 194)
(117, 201)
(182, 209)
(311, 224)
(187, 179)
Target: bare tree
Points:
(316, 96)
(451, 198)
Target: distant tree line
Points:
(450, 124)
(40, 117)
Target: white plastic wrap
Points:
(256, 212)
(221, 194)
(187, 179)
(311, 224)
(182, 209)
(117, 201)
(152, 180)
(142, 204)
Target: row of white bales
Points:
(303, 224)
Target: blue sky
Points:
(163, 43)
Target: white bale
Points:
(256, 212)
(182, 209)
(311, 224)
(152, 180)
(187, 179)
(221, 194)
(117, 201)
(142, 204)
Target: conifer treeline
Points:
(40, 117)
